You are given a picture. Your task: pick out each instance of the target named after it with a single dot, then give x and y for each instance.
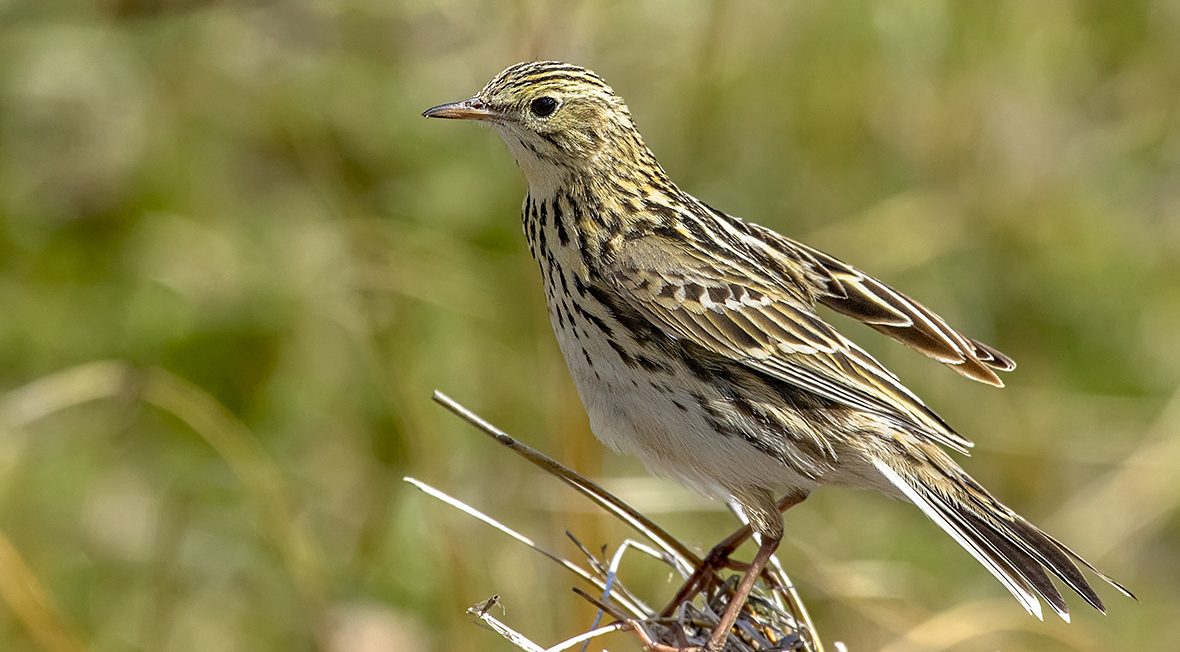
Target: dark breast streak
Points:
(730, 398)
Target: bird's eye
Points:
(543, 107)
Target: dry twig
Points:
(775, 618)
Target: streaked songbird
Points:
(693, 339)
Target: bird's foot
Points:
(704, 577)
(651, 645)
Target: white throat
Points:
(544, 178)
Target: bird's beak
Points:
(469, 109)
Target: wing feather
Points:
(851, 292)
(766, 330)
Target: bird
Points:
(694, 342)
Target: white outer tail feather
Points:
(1014, 583)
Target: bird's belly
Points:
(658, 417)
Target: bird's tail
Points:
(1015, 551)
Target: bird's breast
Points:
(643, 402)
(641, 395)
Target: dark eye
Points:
(543, 107)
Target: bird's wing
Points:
(851, 292)
(713, 304)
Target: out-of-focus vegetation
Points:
(234, 262)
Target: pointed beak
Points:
(469, 109)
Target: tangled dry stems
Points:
(774, 619)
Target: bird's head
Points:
(556, 118)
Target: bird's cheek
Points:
(582, 143)
(593, 140)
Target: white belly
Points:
(657, 417)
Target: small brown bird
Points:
(693, 339)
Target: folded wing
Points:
(714, 305)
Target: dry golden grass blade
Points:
(613, 583)
(645, 526)
(209, 419)
(585, 638)
(766, 619)
(561, 561)
(610, 574)
(483, 613)
(61, 390)
(257, 472)
(30, 602)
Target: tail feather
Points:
(1014, 558)
(1016, 552)
(1087, 565)
(1056, 558)
(1015, 584)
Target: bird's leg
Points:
(738, 599)
(701, 577)
(718, 558)
(733, 607)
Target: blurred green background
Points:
(235, 262)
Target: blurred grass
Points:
(241, 198)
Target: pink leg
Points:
(718, 558)
(738, 599)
